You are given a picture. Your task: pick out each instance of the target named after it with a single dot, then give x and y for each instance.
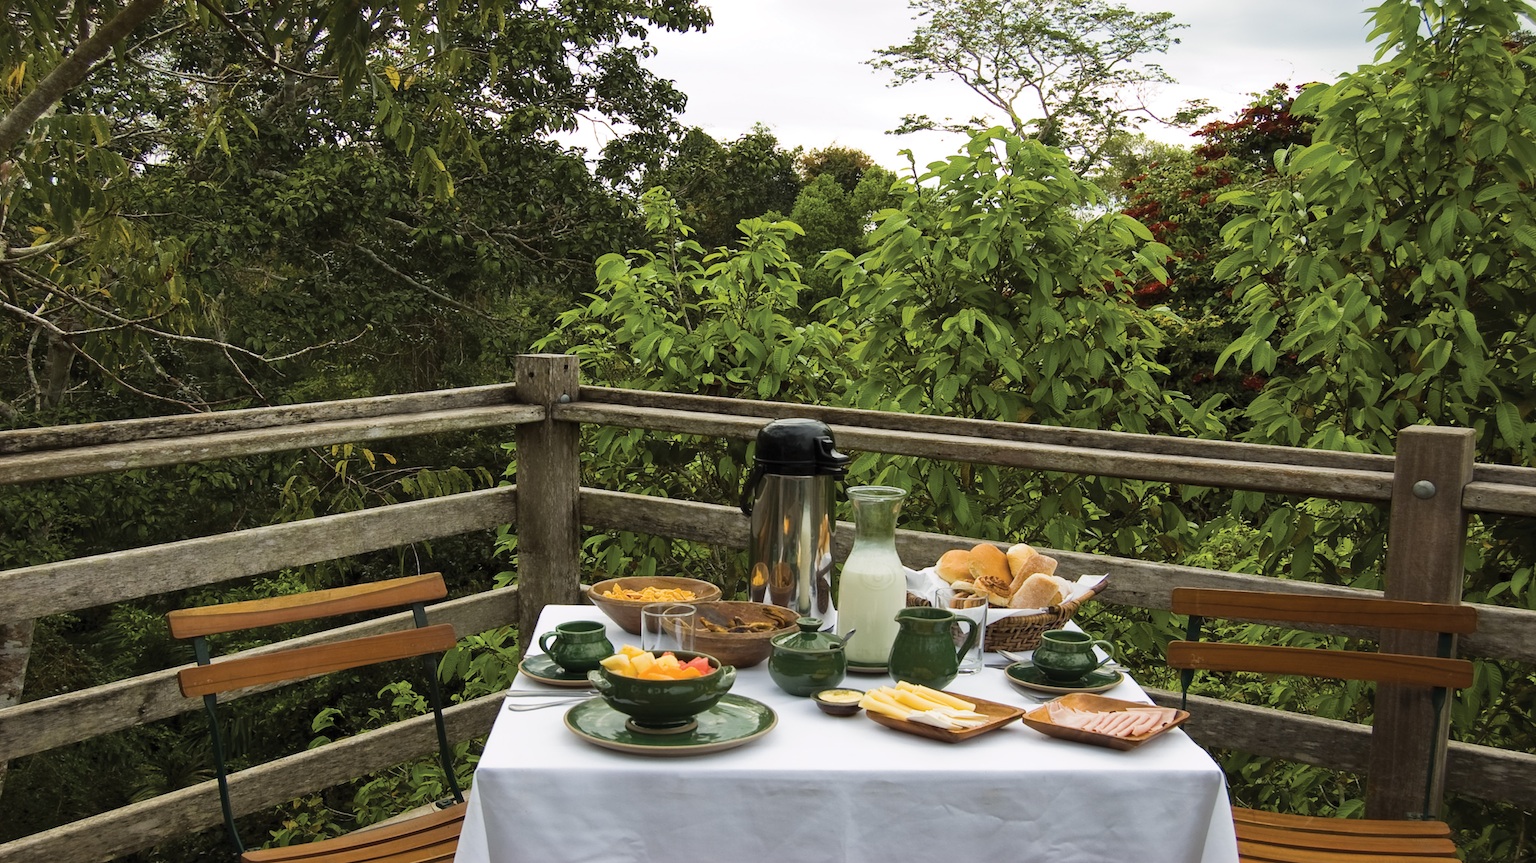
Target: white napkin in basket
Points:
(923, 582)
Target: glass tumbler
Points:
(974, 606)
(667, 626)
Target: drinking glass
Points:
(971, 605)
(667, 626)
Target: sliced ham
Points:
(1130, 722)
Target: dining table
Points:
(814, 787)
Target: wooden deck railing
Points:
(546, 408)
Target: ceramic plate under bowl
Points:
(997, 715)
(540, 667)
(1026, 676)
(735, 721)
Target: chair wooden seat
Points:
(424, 839)
(431, 837)
(1269, 837)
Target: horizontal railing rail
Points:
(248, 419)
(1506, 490)
(162, 452)
(85, 582)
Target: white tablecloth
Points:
(822, 788)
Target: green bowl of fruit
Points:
(661, 694)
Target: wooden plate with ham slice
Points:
(1103, 721)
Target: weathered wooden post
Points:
(1425, 541)
(548, 492)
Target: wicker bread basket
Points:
(1023, 631)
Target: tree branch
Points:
(63, 339)
(257, 48)
(369, 254)
(71, 71)
(139, 326)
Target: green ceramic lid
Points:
(808, 639)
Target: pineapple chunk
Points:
(667, 661)
(630, 651)
(641, 663)
(619, 664)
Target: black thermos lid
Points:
(799, 447)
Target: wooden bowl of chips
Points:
(738, 633)
(622, 598)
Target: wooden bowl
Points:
(741, 649)
(626, 612)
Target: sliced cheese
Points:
(943, 698)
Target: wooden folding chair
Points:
(1265, 837)
(420, 839)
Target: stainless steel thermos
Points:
(790, 496)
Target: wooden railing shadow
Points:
(1431, 484)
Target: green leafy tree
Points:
(1388, 282)
(835, 216)
(123, 123)
(717, 185)
(1065, 71)
(846, 166)
(987, 292)
(1179, 197)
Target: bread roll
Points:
(954, 565)
(1024, 561)
(1039, 591)
(996, 589)
(989, 561)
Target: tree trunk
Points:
(56, 366)
(15, 647)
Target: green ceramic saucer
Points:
(734, 721)
(540, 667)
(1026, 676)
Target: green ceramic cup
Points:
(1065, 656)
(663, 704)
(578, 645)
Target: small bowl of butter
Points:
(838, 702)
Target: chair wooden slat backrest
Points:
(303, 662)
(1439, 672)
(424, 641)
(1270, 836)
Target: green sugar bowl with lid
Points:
(807, 661)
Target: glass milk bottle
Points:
(873, 586)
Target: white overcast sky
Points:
(797, 66)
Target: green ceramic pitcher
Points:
(924, 652)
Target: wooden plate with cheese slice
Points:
(1103, 721)
(997, 715)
